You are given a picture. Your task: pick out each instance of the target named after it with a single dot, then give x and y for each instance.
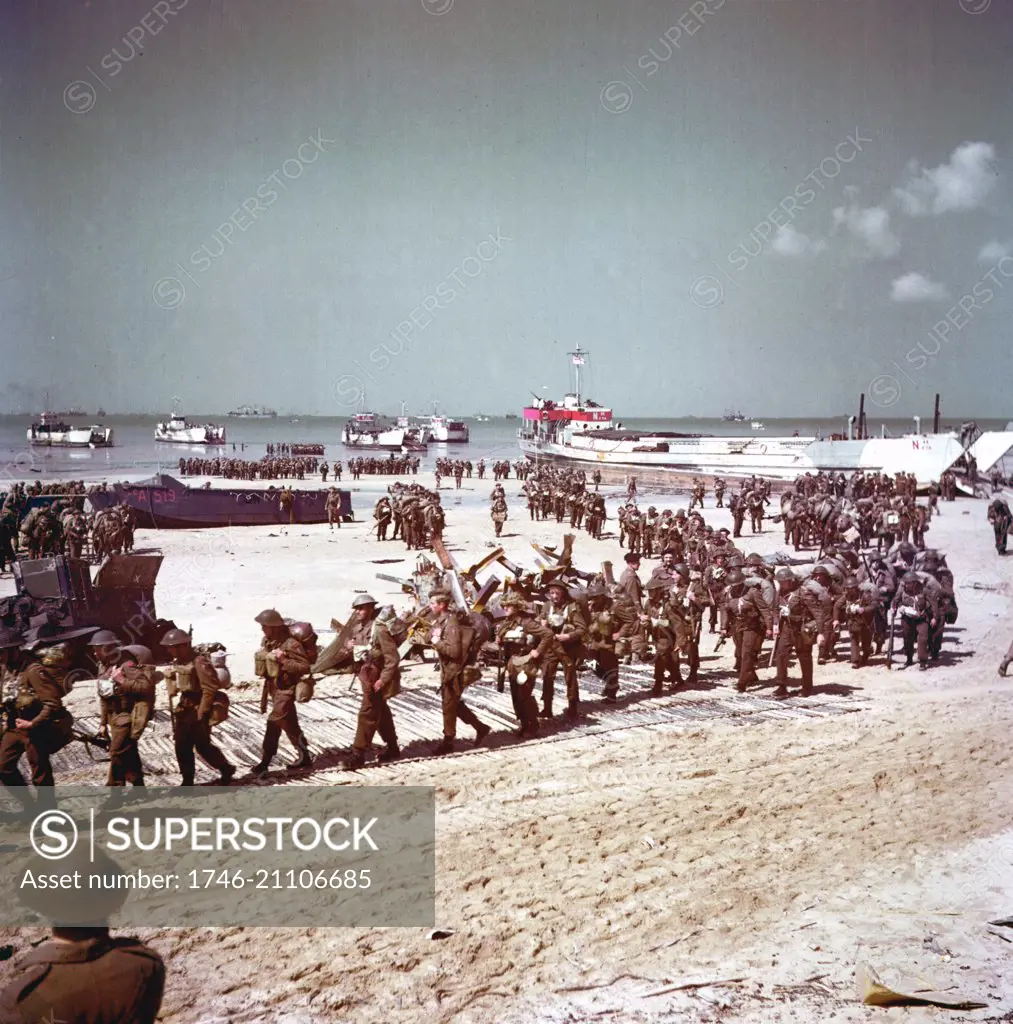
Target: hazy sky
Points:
(756, 203)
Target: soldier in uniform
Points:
(698, 492)
(499, 513)
(451, 639)
(747, 618)
(801, 621)
(659, 619)
(333, 507)
(737, 506)
(195, 681)
(856, 608)
(688, 599)
(83, 974)
(564, 618)
(719, 492)
(281, 662)
(377, 663)
(530, 638)
(38, 724)
(127, 696)
(1001, 518)
(630, 581)
(601, 640)
(383, 515)
(919, 613)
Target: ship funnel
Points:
(851, 425)
(918, 424)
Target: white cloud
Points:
(993, 252)
(871, 226)
(962, 183)
(789, 242)
(916, 287)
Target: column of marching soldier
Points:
(559, 629)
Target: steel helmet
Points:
(363, 601)
(270, 617)
(175, 638)
(142, 655)
(105, 638)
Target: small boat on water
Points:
(757, 425)
(367, 431)
(52, 432)
(163, 502)
(444, 430)
(731, 416)
(176, 430)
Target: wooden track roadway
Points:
(329, 723)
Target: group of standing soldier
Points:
(409, 512)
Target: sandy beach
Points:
(583, 872)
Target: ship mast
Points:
(578, 361)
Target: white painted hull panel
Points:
(781, 458)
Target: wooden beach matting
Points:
(329, 722)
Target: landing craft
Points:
(578, 431)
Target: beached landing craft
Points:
(445, 431)
(51, 432)
(177, 430)
(163, 502)
(581, 432)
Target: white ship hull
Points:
(379, 440)
(70, 437)
(188, 435)
(448, 435)
(779, 458)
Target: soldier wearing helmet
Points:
(919, 613)
(746, 617)
(525, 640)
(689, 597)
(452, 636)
(122, 687)
(376, 661)
(719, 492)
(281, 661)
(565, 619)
(659, 621)
(802, 618)
(194, 683)
(37, 722)
(856, 608)
(83, 973)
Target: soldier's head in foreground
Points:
(177, 645)
(364, 607)
(272, 624)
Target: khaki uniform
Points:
(125, 714)
(292, 665)
(376, 660)
(567, 619)
(522, 672)
(449, 642)
(196, 682)
(39, 699)
(98, 980)
(803, 617)
(748, 619)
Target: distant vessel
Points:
(511, 416)
(101, 412)
(178, 431)
(52, 432)
(757, 425)
(253, 412)
(730, 416)
(579, 432)
(366, 430)
(445, 431)
(479, 418)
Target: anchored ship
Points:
(253, 412)
(730, 416)
(178, 431)
(443, 430)
(581, 432)
(52, 432)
